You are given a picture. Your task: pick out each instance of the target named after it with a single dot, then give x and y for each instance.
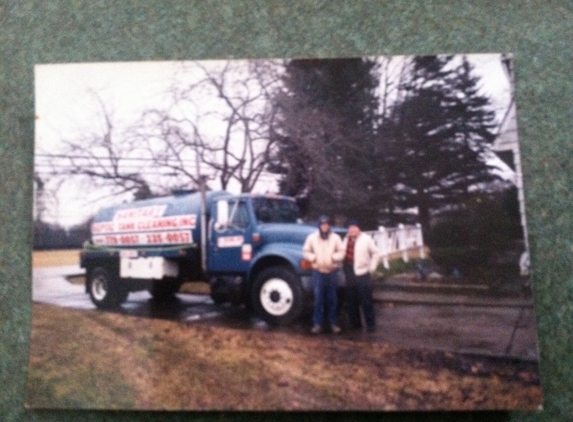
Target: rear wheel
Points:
(277, 296)
(105, 290)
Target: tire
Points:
(104, 289)
(165, 289)
(277, 296)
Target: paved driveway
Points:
(407, 318)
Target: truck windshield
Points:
(275, 210)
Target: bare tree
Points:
(39, 197)
(393, 71)
(217, 124)
(220, 122)
(101, 156)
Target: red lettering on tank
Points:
(126, 226)
(187, 221)
(154, 238)
(144, 212)
(110, 240)
(142, 225)
(102, 227)
(129, 239)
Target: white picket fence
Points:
(399, 239)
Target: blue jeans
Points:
(324, 287)
(359, 295)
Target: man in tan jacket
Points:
(360, 260)
(323, 249)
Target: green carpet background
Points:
(539, 33)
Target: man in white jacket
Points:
(361, 259)
(323, 249)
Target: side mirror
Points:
(222, 215)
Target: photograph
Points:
(290, 234)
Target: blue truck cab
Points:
(248, 247)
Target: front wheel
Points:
(277, 296)
(104, 289)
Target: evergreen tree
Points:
(439, 134)
(326, 139)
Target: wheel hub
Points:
(276, 296)
(99, 288)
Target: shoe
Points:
(316, 329)
(335, 329)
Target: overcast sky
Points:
(66, 106)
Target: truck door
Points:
(230, 245)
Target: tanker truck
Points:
(248, 248)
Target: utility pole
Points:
(507, 64)
(202, 182)
(202, 190)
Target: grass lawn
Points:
(106, 360)
(55, 258)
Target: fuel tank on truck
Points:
(170, 220)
